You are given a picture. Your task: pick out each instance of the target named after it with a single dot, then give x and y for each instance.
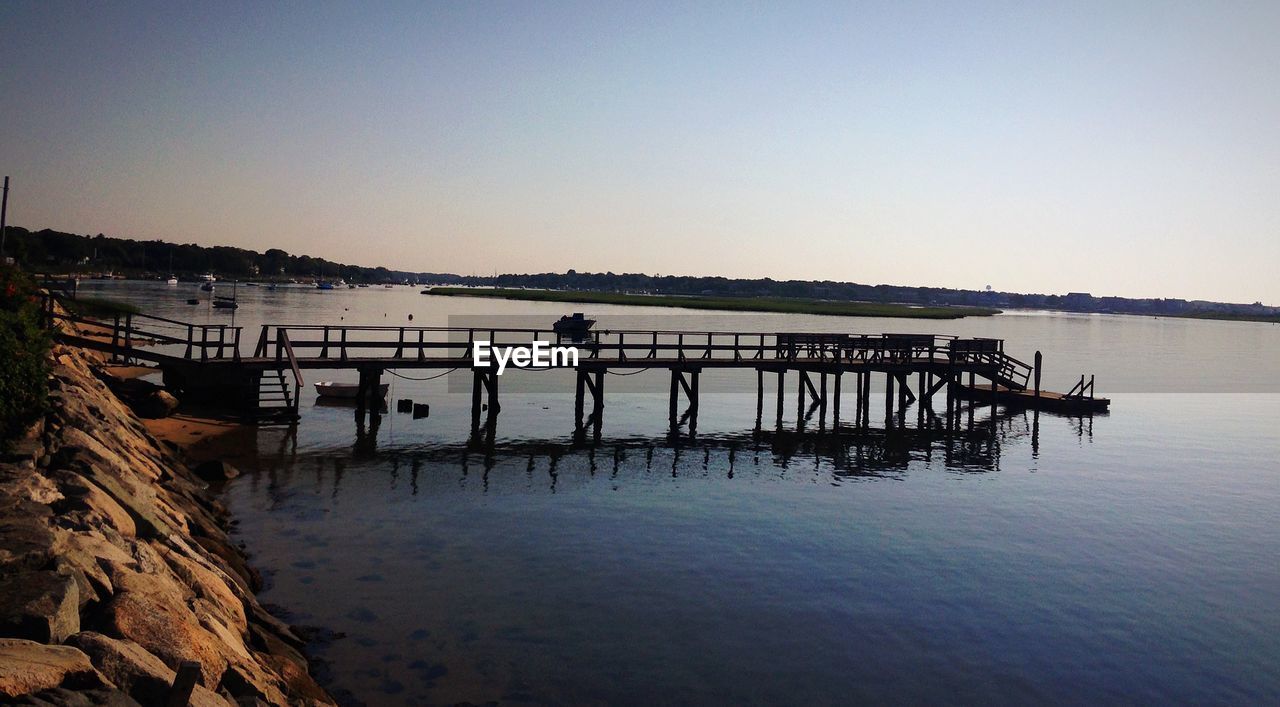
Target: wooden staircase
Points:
(1012, 373)
(276, 403)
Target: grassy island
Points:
(783, 305)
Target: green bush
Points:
(99, 307)
(24, 355)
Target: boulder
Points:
(149, 611)
(216, 471)
(296, 677)
(157, 404)
(25, 537)
(40, 605)
(81, 494)
(62, 697)
(210, 585)
(133, 492)
(247, 680)
(27, 667)
(145, 677)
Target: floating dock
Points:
(1033, 400)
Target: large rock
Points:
(40, 605)
(151, 612)
(81, 494)
(27, 667)
(157, 404)
(145, 677)
(216, 471)
(210, 585)
(25, 537)
(134, 492)
(62, 697)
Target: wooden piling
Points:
(888, 397)
(801, 379)
(759, 396)
(835, 402)
(781, 392)
(1036, 373)
(476, 383)
(675, 392)
(577, 400)
(822, 399)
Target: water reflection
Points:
(834, 456)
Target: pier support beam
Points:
(835, 402)
(484, 398)
(782, 374)
(368, 399)
(590, 382)
(819, 397)
(759, 396)
(679, 381)
(888, 399)
(822, 401)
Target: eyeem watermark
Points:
(540, 354)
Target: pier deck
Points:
(207, 361)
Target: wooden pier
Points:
(206, 362)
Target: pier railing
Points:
(409, 344)
(1081, 390)
(129, 336)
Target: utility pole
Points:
(4, 213)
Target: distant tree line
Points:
(854, 292)
(53, 251)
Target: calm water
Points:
(1125, 558)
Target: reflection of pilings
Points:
(367, 437)
(851, 452)
(368, 393)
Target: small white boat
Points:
(330, 389)
(171, 281)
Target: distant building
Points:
(1077, 300)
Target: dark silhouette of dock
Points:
(207, 362)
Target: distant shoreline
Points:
(781, 305)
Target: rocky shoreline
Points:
(116, 567)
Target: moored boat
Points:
(575, 326)
(346, 391)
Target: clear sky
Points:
(1110, 147)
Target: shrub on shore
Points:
(99, 307)
(24, 355)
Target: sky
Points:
(1115, 148)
